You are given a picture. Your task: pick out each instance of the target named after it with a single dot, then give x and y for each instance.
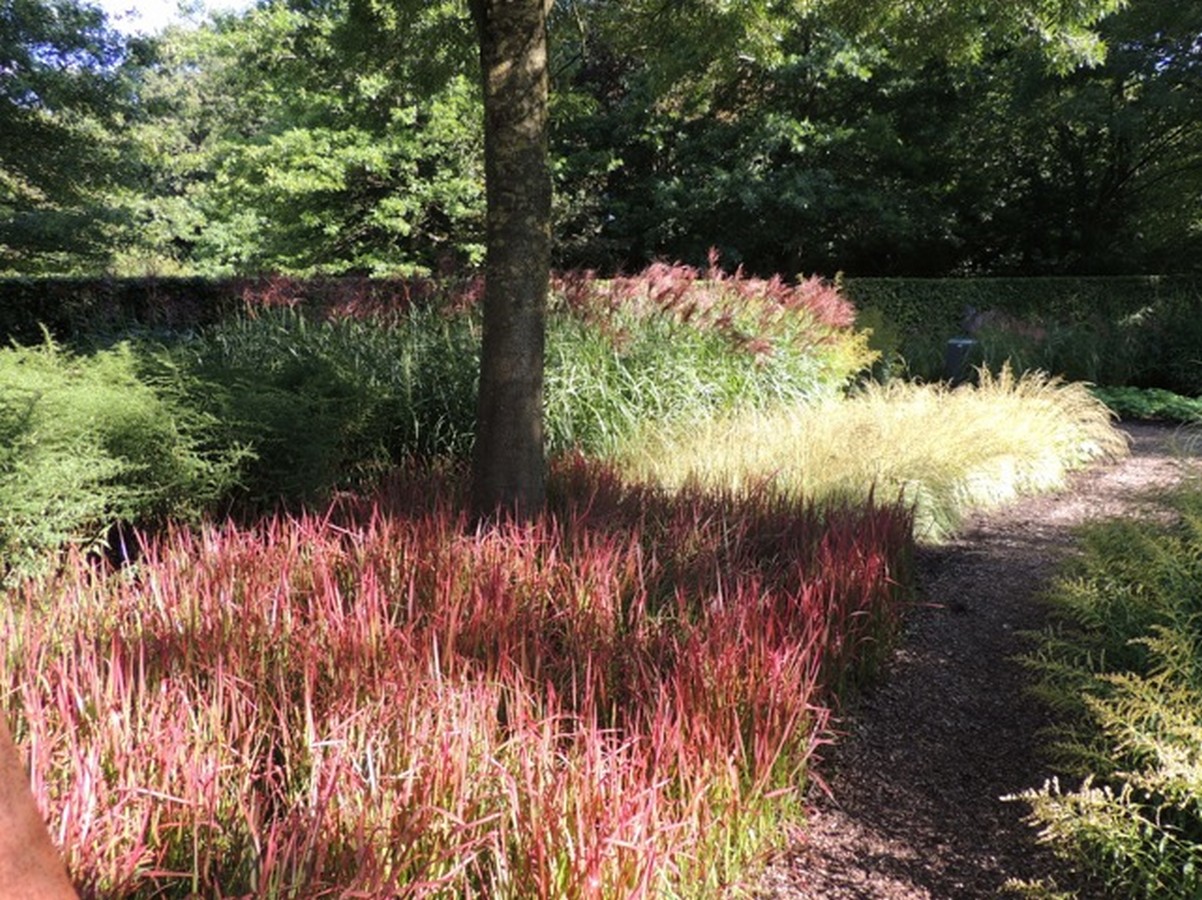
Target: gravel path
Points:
(916, 780)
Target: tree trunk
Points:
(508, 474)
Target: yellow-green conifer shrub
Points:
(86, 442)
(1124, 671)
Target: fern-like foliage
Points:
(1124, 668)
(87, 442)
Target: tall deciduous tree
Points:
(311, 138)
(60, 89)
(710, 40)
(795, 136)
(714, 35)
(509, 456)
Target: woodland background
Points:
(345, 137)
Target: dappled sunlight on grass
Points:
(621, 699)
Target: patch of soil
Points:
(914, 811)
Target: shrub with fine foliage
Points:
(86, 442)
(1124, 669)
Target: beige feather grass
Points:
(948, 451)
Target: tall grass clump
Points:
(327, 403)
(622, 699)
(87, 443)
(331, 397)
(1123, 669)
(674, 344)
(944, 450)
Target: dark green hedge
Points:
(926, 304)
(70, 307)
(75, 307)
(1143, 331)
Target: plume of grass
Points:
(621, 699)
(944, 450)
(673, 344)
(328, 388)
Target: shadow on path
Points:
(918, 776)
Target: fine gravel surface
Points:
(914, 810)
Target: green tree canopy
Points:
(312, 137)
(61, 96)
(867, 136)
(838, 146)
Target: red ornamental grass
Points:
(380, 701)
(349, 297)
(755, 312)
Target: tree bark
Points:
(509, 463)
(30, 867)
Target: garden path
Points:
(914, 810)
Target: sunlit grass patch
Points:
(945, 450)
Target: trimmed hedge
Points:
(1143, 331)
(922, 304)
(73, 308)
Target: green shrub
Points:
(86, 443)
(1125, 670)
(885, 340)
(1150, 403)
